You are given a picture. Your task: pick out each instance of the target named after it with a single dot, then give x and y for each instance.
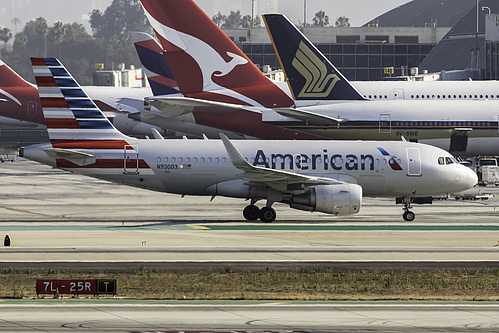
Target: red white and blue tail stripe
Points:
(151, 56)
(70, 115)
(81, 136)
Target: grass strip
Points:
(317, 283)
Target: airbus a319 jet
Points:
(323, 176)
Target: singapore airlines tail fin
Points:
(205, 61)
(310, 75)
(151, 56)
(70, 115)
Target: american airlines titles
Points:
(315, 161)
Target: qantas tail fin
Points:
(311, 76)
(204, 61)
(158, 73)
(70, 115)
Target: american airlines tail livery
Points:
(323, 176)
(22, 104)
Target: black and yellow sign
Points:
(388, 70)
(106, 287)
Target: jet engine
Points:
(341, 199)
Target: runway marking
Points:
(28, 212)
(199, 227)
(288, 227)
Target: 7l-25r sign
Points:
(93, 287)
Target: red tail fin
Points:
(9, 78)
(204, 61)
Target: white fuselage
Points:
(195, 167)
(433, 122)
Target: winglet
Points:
(310, 75)
(235, 156)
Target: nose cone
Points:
(471, 178)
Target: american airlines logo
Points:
(318, 83)
(322, 161)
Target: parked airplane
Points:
(23, 108)
(120, 104)
(222, 88)
(324, 176)
(448, 124)
(196, 40)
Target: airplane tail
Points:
(310, 75)
(70, 115)
(9, 78)
(204, 61)
(151, 56)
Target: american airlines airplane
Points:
(323, 176)
(326, 105)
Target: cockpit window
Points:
(447, 160)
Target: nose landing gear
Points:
(408, 215)
(407, 202)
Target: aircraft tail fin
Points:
(151, 56)
(310, 75)
(9, 78)
(205, 61)
(70, 115)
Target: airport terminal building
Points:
(361, 54)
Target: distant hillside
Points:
(418, 12)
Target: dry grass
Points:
(302, 284)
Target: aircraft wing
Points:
(176, 106)
(277, 179)
(309, 116)
(72, 156)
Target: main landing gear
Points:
(253, 213)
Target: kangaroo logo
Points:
(318, 83)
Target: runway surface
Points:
(70, 221)
(235, 317)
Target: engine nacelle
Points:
(341, 199)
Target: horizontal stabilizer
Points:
(309, 116)
(72, 156)
(177, 106)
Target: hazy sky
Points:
(69, 11)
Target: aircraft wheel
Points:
(267, 214)
(409, 216)
(251, 212)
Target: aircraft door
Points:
(131, 159)
(385, 123)
(398, 93)
(413, 162)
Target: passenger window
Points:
(441, 161)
